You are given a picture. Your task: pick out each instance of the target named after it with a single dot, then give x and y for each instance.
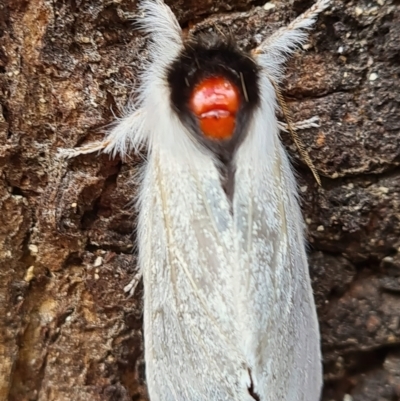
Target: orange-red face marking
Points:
(215, 102)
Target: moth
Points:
(229, 312)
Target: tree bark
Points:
(67, 329)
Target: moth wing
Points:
(186, 255)
(279, 324)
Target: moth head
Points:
(214, 91)
(203, 89)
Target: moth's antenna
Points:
(296, 139)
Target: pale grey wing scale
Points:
(186, 256)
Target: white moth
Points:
(229, 312)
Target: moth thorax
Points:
(215, 102)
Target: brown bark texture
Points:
(67, 329)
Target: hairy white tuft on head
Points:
(160, 23)
(151, 112)
(278, 47)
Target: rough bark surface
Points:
(67, 330)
